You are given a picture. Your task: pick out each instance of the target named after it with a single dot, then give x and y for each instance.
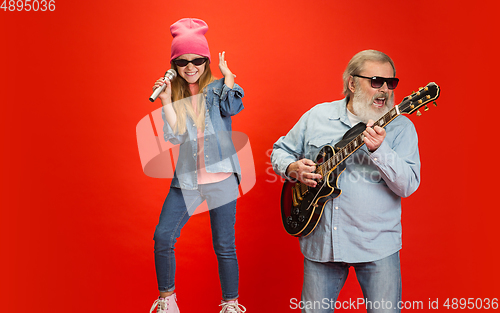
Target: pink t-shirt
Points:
(204, 177)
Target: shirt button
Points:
(335, 228)
(194, 124)
(336, 208)
(194, 154)
(375, 159)
(206, 156)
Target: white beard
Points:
(363, 107)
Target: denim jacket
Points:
(363, 223)
(221, 102)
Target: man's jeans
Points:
(380, 282)
(178, 207)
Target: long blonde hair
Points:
(181, 100)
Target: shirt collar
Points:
(339, 112)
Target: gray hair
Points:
(355, 66)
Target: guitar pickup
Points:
(297, 191)
(294, 197)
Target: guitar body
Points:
(302, 206)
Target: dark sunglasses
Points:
(196, 62)
(378, 82)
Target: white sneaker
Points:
(232, 307)
(166, 305)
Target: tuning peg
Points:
(418, 113)
(435, 104)
(426, 108)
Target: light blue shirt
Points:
(221, 102)
(363, 224)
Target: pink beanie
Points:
(189, 37)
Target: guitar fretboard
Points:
(355, 144)
(409, 105)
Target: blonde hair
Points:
(181, 100)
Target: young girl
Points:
(197, 112)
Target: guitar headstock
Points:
(419, 99)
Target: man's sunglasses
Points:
(196, 62)
(378, 82)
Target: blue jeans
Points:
(380, 282)
(178, 207)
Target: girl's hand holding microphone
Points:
(166, 99)
(165, 92)
(166, 95)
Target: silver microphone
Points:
(169, 75)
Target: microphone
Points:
(169, 75)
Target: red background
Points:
(78, 214)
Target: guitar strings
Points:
(329, 165)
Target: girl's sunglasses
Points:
(378, 82)
(196, 62)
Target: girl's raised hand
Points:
(228, 75)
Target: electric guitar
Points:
(301, 205)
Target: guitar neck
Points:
(346, 151)
(409, 105)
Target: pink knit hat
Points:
(189, 37)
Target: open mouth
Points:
(379, 102)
